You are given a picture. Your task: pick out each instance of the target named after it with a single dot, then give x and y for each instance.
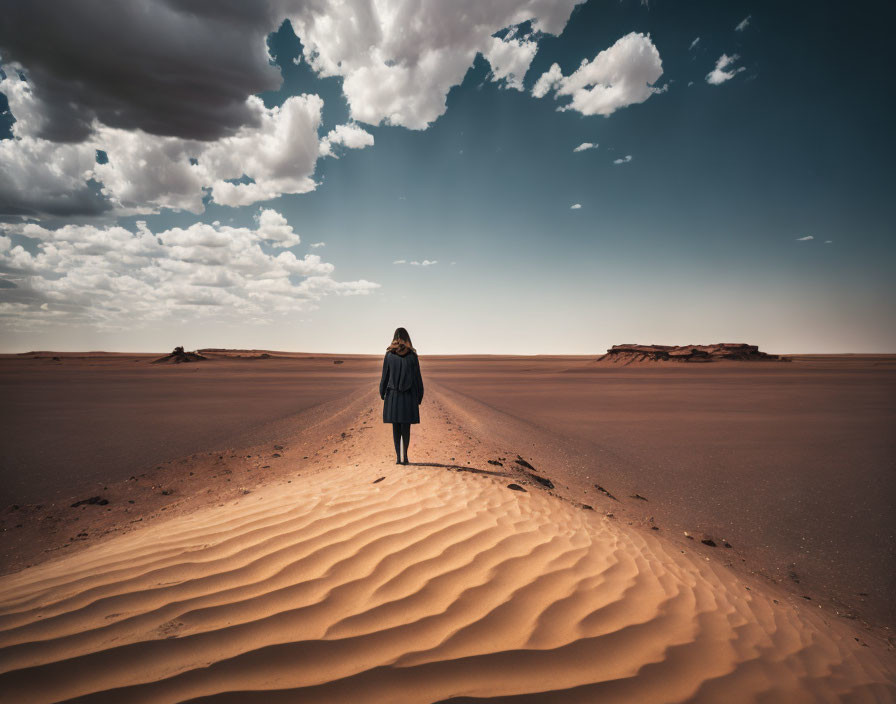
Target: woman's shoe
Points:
(405, 460)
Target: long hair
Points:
(402, 334)
(401, 343)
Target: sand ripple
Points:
(428, 586)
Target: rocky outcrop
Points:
(178, 356)
(735, 351)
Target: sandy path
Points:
(346, 578)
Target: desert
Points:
(685, 539)
(447, 352)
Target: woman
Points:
(401, 389)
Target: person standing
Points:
(401, 389)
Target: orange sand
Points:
(437, 582)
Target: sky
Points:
(517, 176)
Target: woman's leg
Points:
(406, 436)
(396, 438)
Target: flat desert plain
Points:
(566, 531)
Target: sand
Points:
(317, 570)
(793, 463)
(85, 421)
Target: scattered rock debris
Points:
(710, 542)
(377, 481)
(639, 497)
(515, 487)
(496, 463)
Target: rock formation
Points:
(736, 351)
(179, 356)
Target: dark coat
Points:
(401, 388)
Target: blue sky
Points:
(698, 234)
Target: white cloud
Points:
(575, 206)
(623, 160)
(425, 262)
(399, 60)
(584, 146)
(719, 75)
(743, 24)
(829, 241)
(400, 261)
(805, 239)
(694, 43)
(272, 226)
(350, 136)
(548, 81)
(279, 155)
(617, 77)
(145, 173)
(315, 245)
(510, 58)
(112, 276)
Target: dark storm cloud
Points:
(169, 67)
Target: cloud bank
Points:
(144, 173)
(167, 89)
(112, 276)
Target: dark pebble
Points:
(515, 487)
(522, 463)
(544, 481)
(604, 491)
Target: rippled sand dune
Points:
(428, 585)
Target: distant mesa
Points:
(235, 354)
(730, 351)
(179, 356)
